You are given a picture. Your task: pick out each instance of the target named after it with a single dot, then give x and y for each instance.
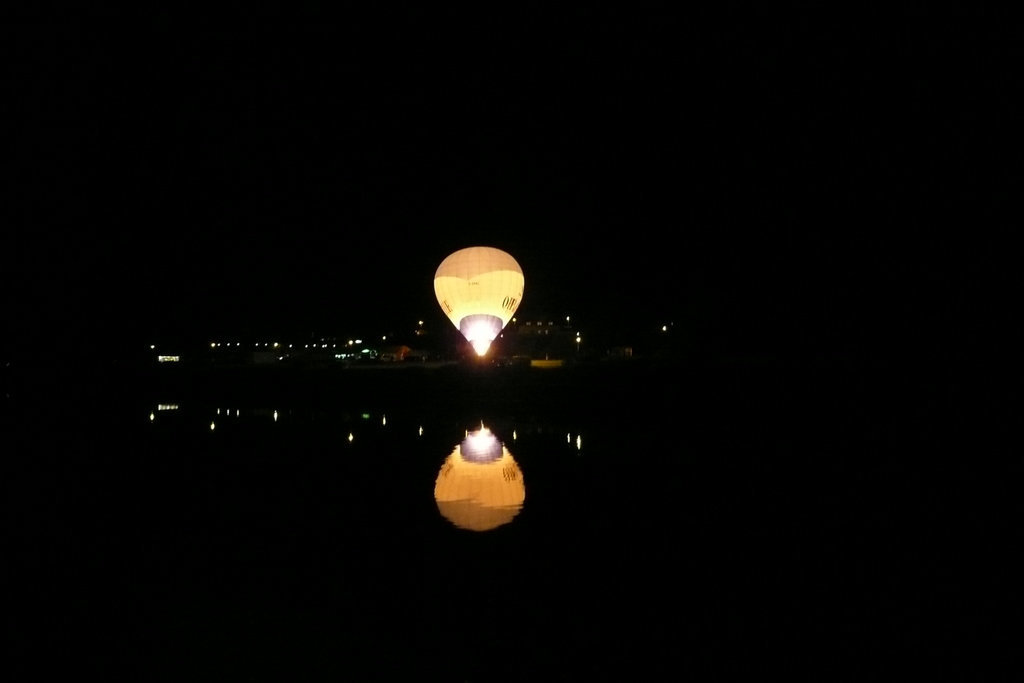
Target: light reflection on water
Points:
(637, 533)
(479, 484)
(366, 422)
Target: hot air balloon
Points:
(480, 486)
(479, 289)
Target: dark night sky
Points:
(798, 184)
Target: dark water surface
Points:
(672, 522)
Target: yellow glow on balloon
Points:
(479, 289)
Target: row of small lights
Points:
(353, 342)
(276, 345)
(568, 320)
(349, 343)
(351, 436)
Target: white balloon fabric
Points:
(479, 289)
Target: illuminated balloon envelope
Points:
(480, 485)
(479, 289)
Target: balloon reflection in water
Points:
(480, 485)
